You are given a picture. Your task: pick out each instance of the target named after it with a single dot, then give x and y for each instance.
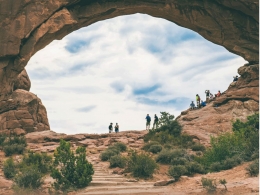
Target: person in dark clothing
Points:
(235, 78)
(110, 128)
(202, 104)
(148, 120)
(207, 95)
(155, 122)
(116, 128)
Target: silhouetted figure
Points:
(116, 128)
(156, 121)
(235, 79)
(110, 128)
(207, 95)
(192, 105)
(148, 120)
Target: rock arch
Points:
(28, 26)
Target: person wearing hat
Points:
(110, 128)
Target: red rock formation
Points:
(28, 26)
(240, 100)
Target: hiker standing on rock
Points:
(116, 128)
(148, 120)
(192, 105)
(198, 101)
(155, 122)
(110, 128)
(207, 95)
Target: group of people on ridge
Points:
(148, 121)
(209, 96)
(110, 128)
(201, 103)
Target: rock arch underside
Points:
(27, 26)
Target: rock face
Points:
(240, 100)
(23, 113)
(28, 26)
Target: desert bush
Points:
(155, 149)
(2, 139)
(231, 162)
(209, 184)
(120, 146)
(166, 156)
(71, 170)
(253, 168)
(176, 171)
(29, 177)
(216, 166)
(107, 154)
(194, 167)
(198, 147)
(13, 149)
(117, 161)
(147, 146)
(41, 161)
(9, 168)
(179, 161)
(141, 165)
(223, 182)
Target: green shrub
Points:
(155, 149)
(42, 161)
(209, 184)
(9, 168)
(117, 161)
(13, 149)
(198, 147)
(166, 156)
(71, 170)
(179, 161)
(29, 177)
(216, 166)
(141, 165)
(253, 168)
(167, 123)
(120, 146)
(176, 171)
(107, 154)
(2, 139)
(223, 182)
(194, 167)
(231, 162)
(147, 146)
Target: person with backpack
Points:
(110, 128)
(116, 128)
(198, 101)
(148, 120)
(155, 122)
(207, 95)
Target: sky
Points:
(121, 69)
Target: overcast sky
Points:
(121, 69)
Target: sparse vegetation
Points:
(167, 156)
(112, 151)
(176, 171)
(71, 170)
(209, 184)
(117, 161)
(13, 145)
(223, 182)
(9, 168)
(253, 168)
(198, 147)
(155, 149)
(141, 165)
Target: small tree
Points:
(71, 170)
(167, 123)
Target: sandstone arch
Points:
(29, 25)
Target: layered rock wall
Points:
(28, 26)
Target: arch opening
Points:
(120, 69)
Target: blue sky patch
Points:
(146, 90)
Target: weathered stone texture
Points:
(26, 26)
(25, 113)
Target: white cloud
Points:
(88, 79)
